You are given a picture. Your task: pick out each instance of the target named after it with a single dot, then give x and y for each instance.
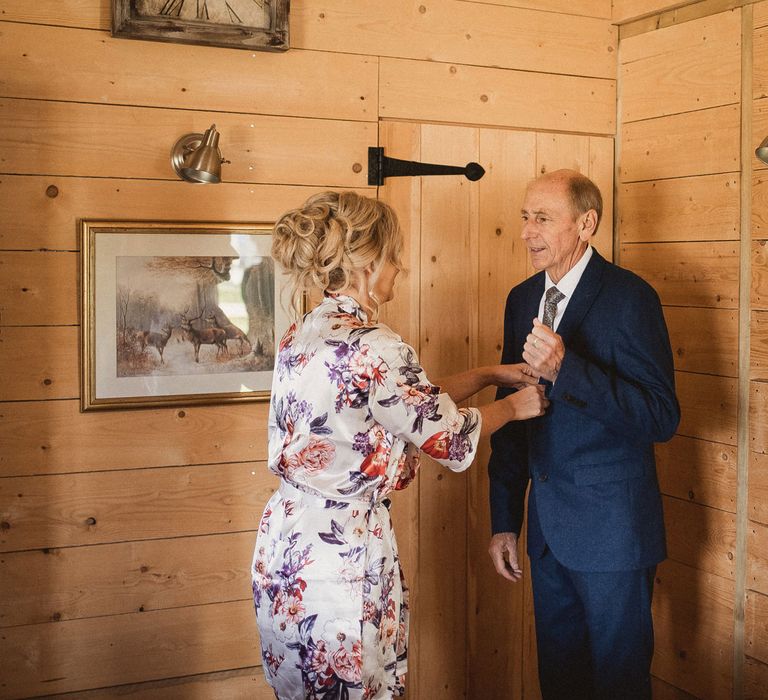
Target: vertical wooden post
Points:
(742, 515)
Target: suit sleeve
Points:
(508, 464)
(635, 397)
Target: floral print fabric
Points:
(351, 407)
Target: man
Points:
(596, 335)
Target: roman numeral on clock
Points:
(172, 8)
(233, 16)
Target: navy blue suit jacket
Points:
(594, 497)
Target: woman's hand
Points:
(516, 376)
(461, 386)
(529, 402)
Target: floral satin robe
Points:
(351, 407)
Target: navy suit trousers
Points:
(594, 631)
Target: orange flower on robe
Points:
(375, 464)
(438, 445)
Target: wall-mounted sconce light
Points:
(197, 158)
(762, 151)
(381, 166)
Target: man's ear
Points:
(587, 225)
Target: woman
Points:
(351, 408)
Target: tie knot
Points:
(554, 295)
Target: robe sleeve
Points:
(404, 401)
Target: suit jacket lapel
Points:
(583, 297)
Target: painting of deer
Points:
(232, 332)
(199, 335)
(155, 340)
(220, 309)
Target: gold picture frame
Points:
(178, 313)
(260, 25)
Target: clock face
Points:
(248, 13)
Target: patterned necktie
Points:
(553, 297)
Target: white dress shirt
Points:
(567, 286)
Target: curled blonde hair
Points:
(331, 238)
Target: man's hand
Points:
(544, 350)
(503, 551)
(516, 376)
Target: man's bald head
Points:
(583, 193)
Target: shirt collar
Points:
(347, 304)
(567, 285)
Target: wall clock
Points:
(246, 24)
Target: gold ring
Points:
(536, 343)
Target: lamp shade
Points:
(197, 158)
(762, 151)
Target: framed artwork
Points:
(247, 24)
(178, 313)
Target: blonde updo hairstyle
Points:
(323, 245)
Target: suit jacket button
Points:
(543, 477)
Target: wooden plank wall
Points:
(628, 10)
(125, 537)
(679, 225)
(638, 16)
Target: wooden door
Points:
(471, 631)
